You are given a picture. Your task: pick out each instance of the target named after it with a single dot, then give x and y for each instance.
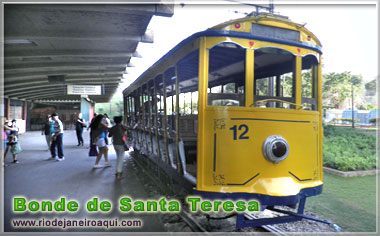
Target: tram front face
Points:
(259, 118)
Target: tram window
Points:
(226, 69)
(194, 104)
(187, 103)
(160, 100)
(262, 87)
(169, 106)
(182, 98)
(216, 89)
(145, 105)
(274, 71)
(132, 104)
(187, 72)
(170, 82)
(308, 82)
(287, 81)
(229, 88)
(151, 102)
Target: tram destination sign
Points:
(84, 89)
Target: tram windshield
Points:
(274, 71)
(309, 77)
(226, 79)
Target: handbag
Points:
(126, 148)
(16, 148)
(93, 151)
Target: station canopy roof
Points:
(50, 46)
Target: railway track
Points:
(186, 217)
(197, 227)
(160, 181)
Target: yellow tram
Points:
(236, 111)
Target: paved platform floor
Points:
(37, 178)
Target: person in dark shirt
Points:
(89, 126)
(98, 129)
(47, 130)
(79, 125)
(118, 134)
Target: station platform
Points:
(37, 178)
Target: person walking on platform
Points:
(79, 125)
(118, 132)
(107, 122)
(57, 139)
(48, 130)
(98, 129)
(92, 120)
(12, 141)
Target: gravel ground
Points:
(298, 226)
(174, 223)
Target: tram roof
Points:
(228, 29)
(272, 20)
(48, 46)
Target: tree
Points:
(337, 89)
(368, 107)
(307, 84)
(370, 88)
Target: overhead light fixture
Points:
(36, 59)
(130, 65)
(56, 78)
(136, 54)
(19, 42)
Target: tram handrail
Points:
(276, 100)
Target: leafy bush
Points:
(350, 120)
(373, 120)
(345, 149)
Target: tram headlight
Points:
(275, 149)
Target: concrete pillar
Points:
(24, 113)
(8, 109)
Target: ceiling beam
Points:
(39, 74)
(48, 85)
(67, 81)
(61, 36)
(53, 93)
(37, 66)
(67, 78)
(68, 53)
(158, 9)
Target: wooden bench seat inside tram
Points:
(188, 130)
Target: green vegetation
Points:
(349, 120)
(337, 89)
(347, 202)
(347, 149)
(368, 107)
(114, 108)
(373, 120)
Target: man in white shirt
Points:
(57, 138)
(107, 122)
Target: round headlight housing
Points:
(275, 149)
